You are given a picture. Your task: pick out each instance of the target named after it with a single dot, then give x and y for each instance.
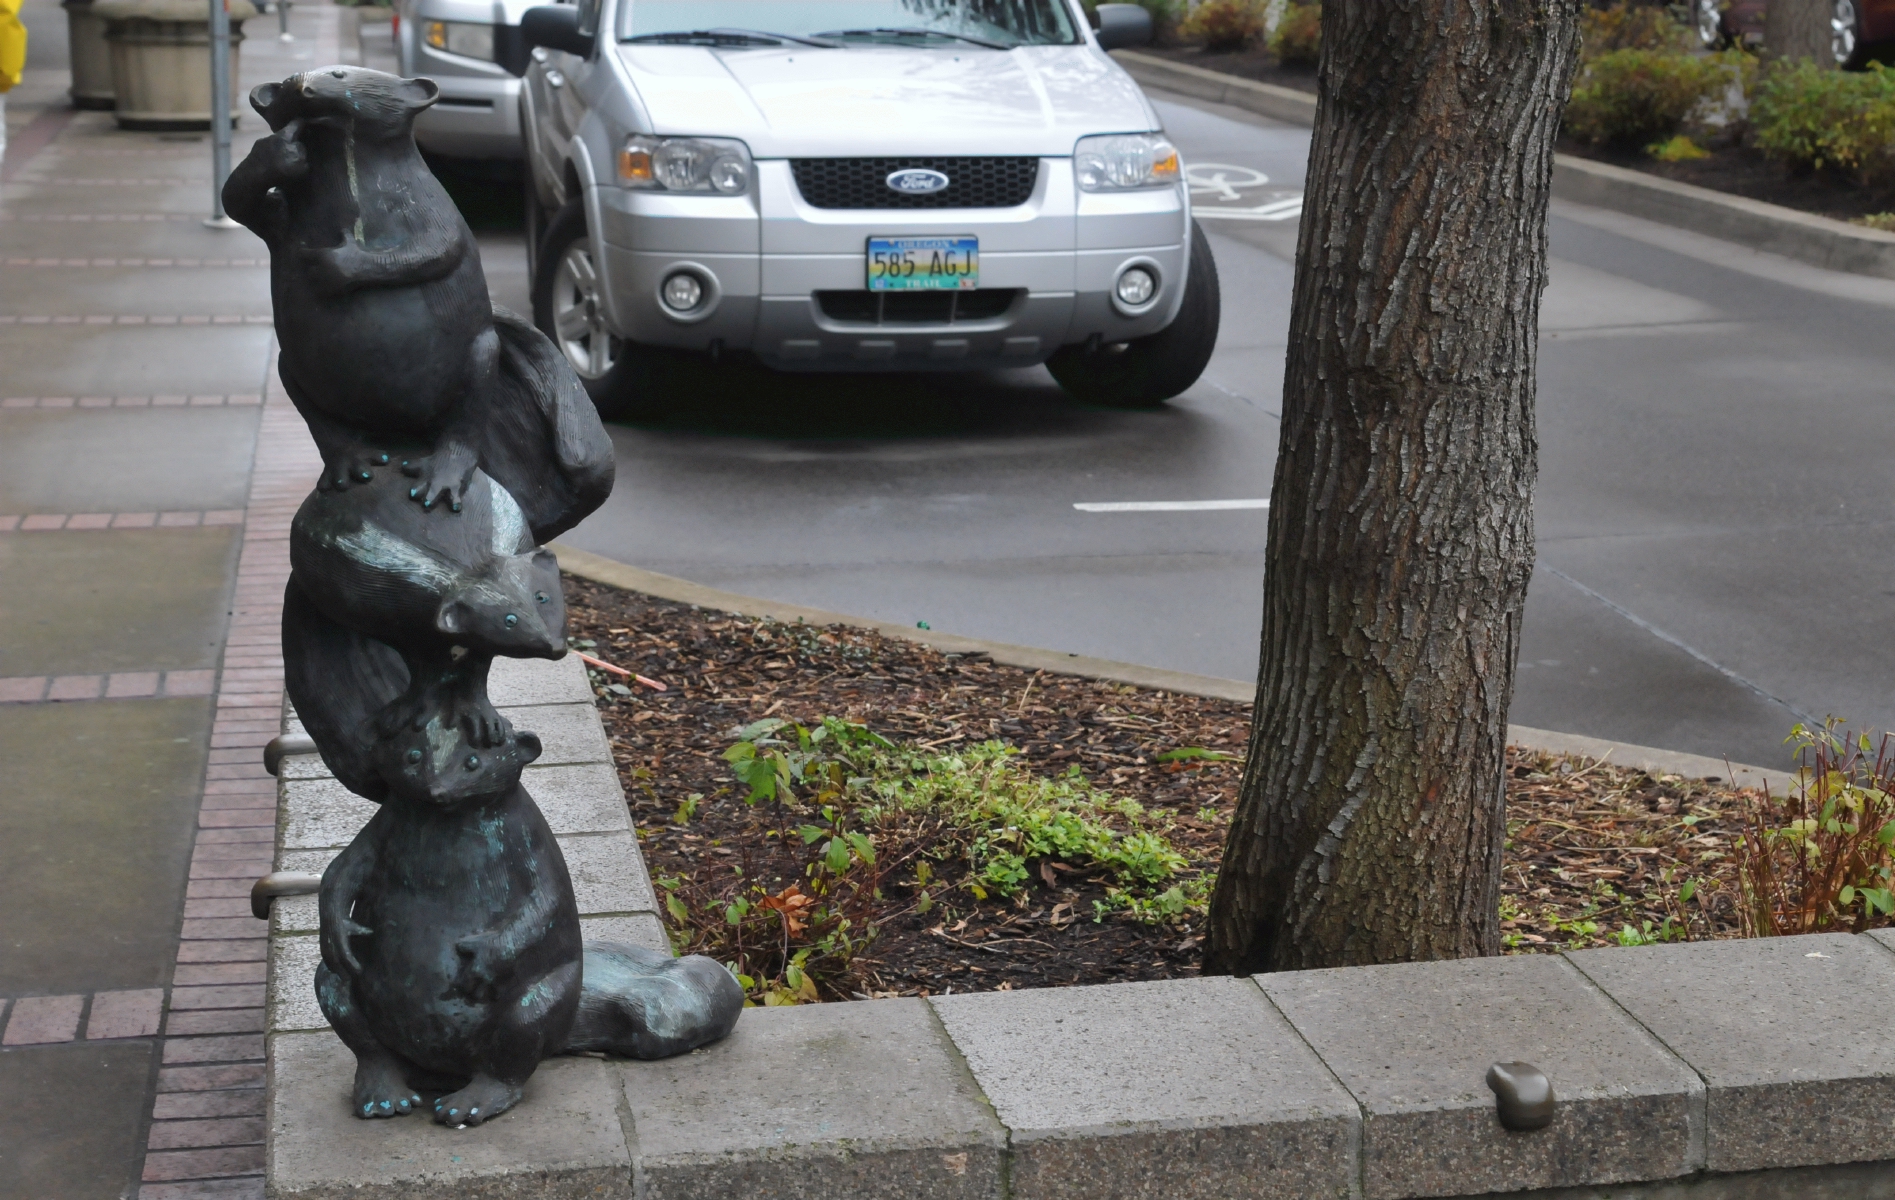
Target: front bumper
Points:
(478, 114)
(787, 281)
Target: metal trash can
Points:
(91, 58)
(161, 60)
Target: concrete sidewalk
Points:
(142, 558)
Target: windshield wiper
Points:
(916, 32)
(729, 37)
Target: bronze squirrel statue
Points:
(455, 439)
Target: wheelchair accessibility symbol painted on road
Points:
(1219, 189)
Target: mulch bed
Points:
(1592, 848)
(1743, 171)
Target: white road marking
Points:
(1110, 506)
(1222, 179)
(1276, 210)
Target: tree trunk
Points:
(1372, 816)
(1794, 29)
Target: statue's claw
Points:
(442, 477)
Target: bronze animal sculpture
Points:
(455, 440)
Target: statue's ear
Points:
(419, 93)
(263, 96)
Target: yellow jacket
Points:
(12, 44)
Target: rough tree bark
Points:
(1794, 29)
(1371, 819)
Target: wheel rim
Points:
(1710, 23)
(579, 316)
(1842, 31)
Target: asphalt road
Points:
(1715, 481)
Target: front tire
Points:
(569, 307)
(1147, 371)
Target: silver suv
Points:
(472, 50)
(858, 185)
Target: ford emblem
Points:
(916, 181)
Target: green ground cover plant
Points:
(871, 814)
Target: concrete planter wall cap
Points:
(172, 11)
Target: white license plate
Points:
(901, 264)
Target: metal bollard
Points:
(283, 21)
(220, 113)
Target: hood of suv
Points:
(806, 102)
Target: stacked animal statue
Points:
(455, 440)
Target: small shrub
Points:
(1884, 221)
(1817, 120)
(1629, 26)
(1677, 149)
(1298, 37)
(1633, 97)
(1823, 858)
(1225, 24)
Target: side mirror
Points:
(556, 27)
(1122, 25)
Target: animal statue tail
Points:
(642, 1003)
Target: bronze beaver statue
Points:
(455, 441)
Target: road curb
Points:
(1819, 241)
(600, 569)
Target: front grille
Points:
(915, 308)
(862, 182)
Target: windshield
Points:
(948, 24)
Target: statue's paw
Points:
(349, 467)
(282, 155)
(442, 477)
(482, 1100)
(380, 1091)
(485, 727)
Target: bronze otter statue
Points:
(455, 441)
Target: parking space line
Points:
(1118, 506)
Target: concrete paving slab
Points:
(142, 290)
(517, 681)
(122, 239)
(186, 197)
(608, 873)
(1240, 1104)
(48, 1153)
(114, 600)
(131, 360)
(143, 460)
(563, 1142)
(583, 798)
(1795, 1076)
(1413, 1042)
(95, 839)
(640, 929)
(568, 733)
(290, 1002)
(868, 1101)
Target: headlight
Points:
(1118, 161)
(720, 165)
(460, 37)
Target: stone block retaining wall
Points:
(1719, 1069)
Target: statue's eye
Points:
(512, 620)
(414, 756)
(472, 763)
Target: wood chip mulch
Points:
(1593, 849)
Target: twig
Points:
(621, 672)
